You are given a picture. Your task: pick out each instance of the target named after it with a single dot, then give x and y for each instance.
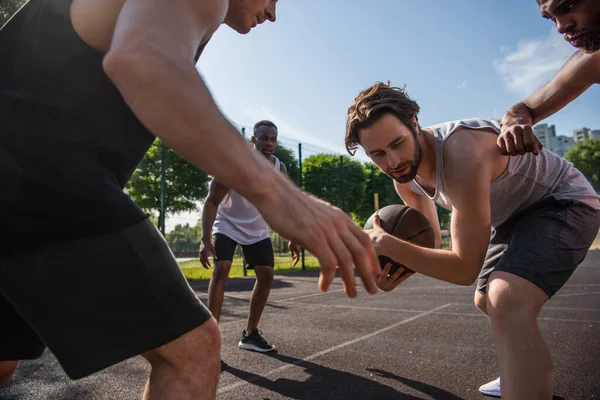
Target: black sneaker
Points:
(255, 342)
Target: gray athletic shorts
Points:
(543, 244)
(95, 301)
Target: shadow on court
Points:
(329, 383)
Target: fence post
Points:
(373, 185)
(300, 184)
(163, 188)
(342, 182)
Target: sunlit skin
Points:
(247, 14)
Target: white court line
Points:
(570, 309)
(329, 350)
(474, 314)
(575, 294)
(582, 285)
(310, 295)
(359, 307)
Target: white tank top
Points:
(526, 180)
(238, 219)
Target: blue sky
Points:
(458, 59)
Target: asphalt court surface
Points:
(424, 340)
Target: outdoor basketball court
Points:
(424, 340)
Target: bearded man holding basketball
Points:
(520, 225)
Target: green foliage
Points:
(444, 217)
(184, 238)
(8, 8)
(185, 184)
(384, 187)
(287, 157)
(193, 270)
(321, 175)
(585, 155)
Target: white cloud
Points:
(533, 63)
(462, 85)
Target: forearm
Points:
(519, 114)
(209, 214)
(173, 102)
(444, 265)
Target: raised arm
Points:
(575, 77)
(151, 61)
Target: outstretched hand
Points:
(328, 233)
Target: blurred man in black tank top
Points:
(85, 87)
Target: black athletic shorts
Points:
(259, 253)
(95, 301)
(543, 244)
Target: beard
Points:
(414, 165)
(591, 40)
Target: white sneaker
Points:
(491, 388)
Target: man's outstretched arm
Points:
(575, 77)
(151, 62)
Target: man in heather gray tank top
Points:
(520, 225)
(237, 222)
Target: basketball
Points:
(404, 223)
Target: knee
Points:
(221, 271)
(508, 308)
(199, 348)
(7, 370)
(480, 301)
(265, 275)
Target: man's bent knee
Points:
(7, 370)
(198, 347)
(512, 299)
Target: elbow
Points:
(469, 276)
(128, 68)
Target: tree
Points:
(321, 175)
(585, 155)
(184, 238)
(185, 184)
(287, 157)
(384, 187)
(8, 8)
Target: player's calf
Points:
(188, 367)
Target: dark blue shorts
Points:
(543, 244)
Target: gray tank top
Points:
(526, 180)
(238, 219)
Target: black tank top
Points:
(68, 140)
